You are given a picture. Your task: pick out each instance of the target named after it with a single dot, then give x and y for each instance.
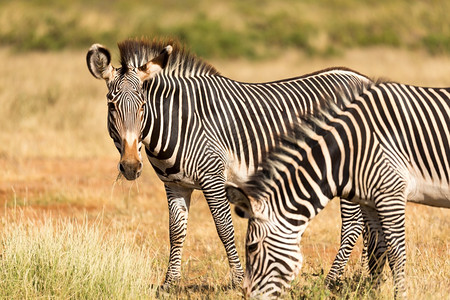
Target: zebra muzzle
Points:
(131, 170)
(130, 164)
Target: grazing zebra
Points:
(200, 129)
(389, 145)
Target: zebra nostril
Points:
(130, 169)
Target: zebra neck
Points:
(316, 174)
(339, 155)
(326, 166)
(167, 116)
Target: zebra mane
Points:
(136, 52)
(288, 148)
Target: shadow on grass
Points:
(306, 286)
(312, 286)
(193, 290)
(358, 286)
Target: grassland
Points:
(230, 29)
(69, 229)
(63, 211)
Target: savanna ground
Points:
(71, 229)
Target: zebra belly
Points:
(179, 178)
(422, 191)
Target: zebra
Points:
(386, 146)
(200, 129)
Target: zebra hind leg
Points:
(393, 226)
(374, 244)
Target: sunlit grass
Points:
(63, 259)
(121, 256)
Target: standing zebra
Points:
(200, 129)
(389, 145)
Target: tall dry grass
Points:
(50, 107)
(46, 256)
(63, 259)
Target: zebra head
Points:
(273, 256)
(127, 113)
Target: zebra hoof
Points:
(332, 282)
(170, 284)
(166, 289)
(237, 278)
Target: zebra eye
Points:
(252, 247)
(109, 96)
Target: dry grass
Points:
(64, 259)
(58, 161)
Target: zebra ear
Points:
(238, 197)
(98, 60)
(153, 67)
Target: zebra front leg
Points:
(179, 200)
(214, 191)
(352, 226)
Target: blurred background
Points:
(55, 153)
(230, 29)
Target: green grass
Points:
(251, 29)
(63, 259)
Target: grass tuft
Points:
(67, 260)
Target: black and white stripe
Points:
(200, 129)
(388, 146)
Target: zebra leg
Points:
(374, 243)
(352, 226)
(392, 216)
(214, 191)
(179, 200)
